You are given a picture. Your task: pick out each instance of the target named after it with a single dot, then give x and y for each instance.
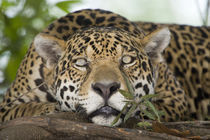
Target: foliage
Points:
(144, 105)
(20, 21)
(65, 5)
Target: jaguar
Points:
(80, 61)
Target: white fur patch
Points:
(101, 120)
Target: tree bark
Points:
(70, 126)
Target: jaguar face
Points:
(93, 67)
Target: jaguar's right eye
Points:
(80, 63)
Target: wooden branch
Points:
(70, 126)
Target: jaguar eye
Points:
(127, 59)
(81, 62)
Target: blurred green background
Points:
(21, 20)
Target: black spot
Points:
(169, 113)
(50, 98)
(22, 114)
(65, 37)
(112, 19)
(71, 88)
(32, 63)
(36, 98)
(146, 89)
(3, 117)
(16, 112)
(100, 20)
(144, 65)
(178, 72)
(61, 28)
(194, 71)
(205, 70)
(65, 88)
(21, 100)
(126, 28)
(67, 97)
(181, 27)
(203, 34)
(93, 15)
(51, 26)
(87, 39)
(70, 17)
(186, 36)
(62, 91)
(149, 78)
(172, 104)
(67, 104)
(111, 24)
(30, 72)
(117, 38)
(124, 23)
(138, 85)
(38, 83)
(74, 28)
(176, 38)
(2, 109)
(61, 20)
(207, 59)
(82, 21)
(59, 83)
(169, 58)
(179, 91)
(194, 60)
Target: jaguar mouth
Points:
(105, 111)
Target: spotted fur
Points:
(188, 56)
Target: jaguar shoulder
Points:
(188, 56)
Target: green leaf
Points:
(147, 97)
(65, 5)
(144, 124)
(130, 112)
(149, 114)
(128, 84)
(6, 4)
(126, 94)
(152, 107)
(118, 116)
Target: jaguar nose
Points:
(106, 90)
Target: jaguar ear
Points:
(49, 47)
(155, 42)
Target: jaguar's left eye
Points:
(81, 62)
(127, 59)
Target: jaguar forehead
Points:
(101, 42)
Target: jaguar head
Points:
(91, 67)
